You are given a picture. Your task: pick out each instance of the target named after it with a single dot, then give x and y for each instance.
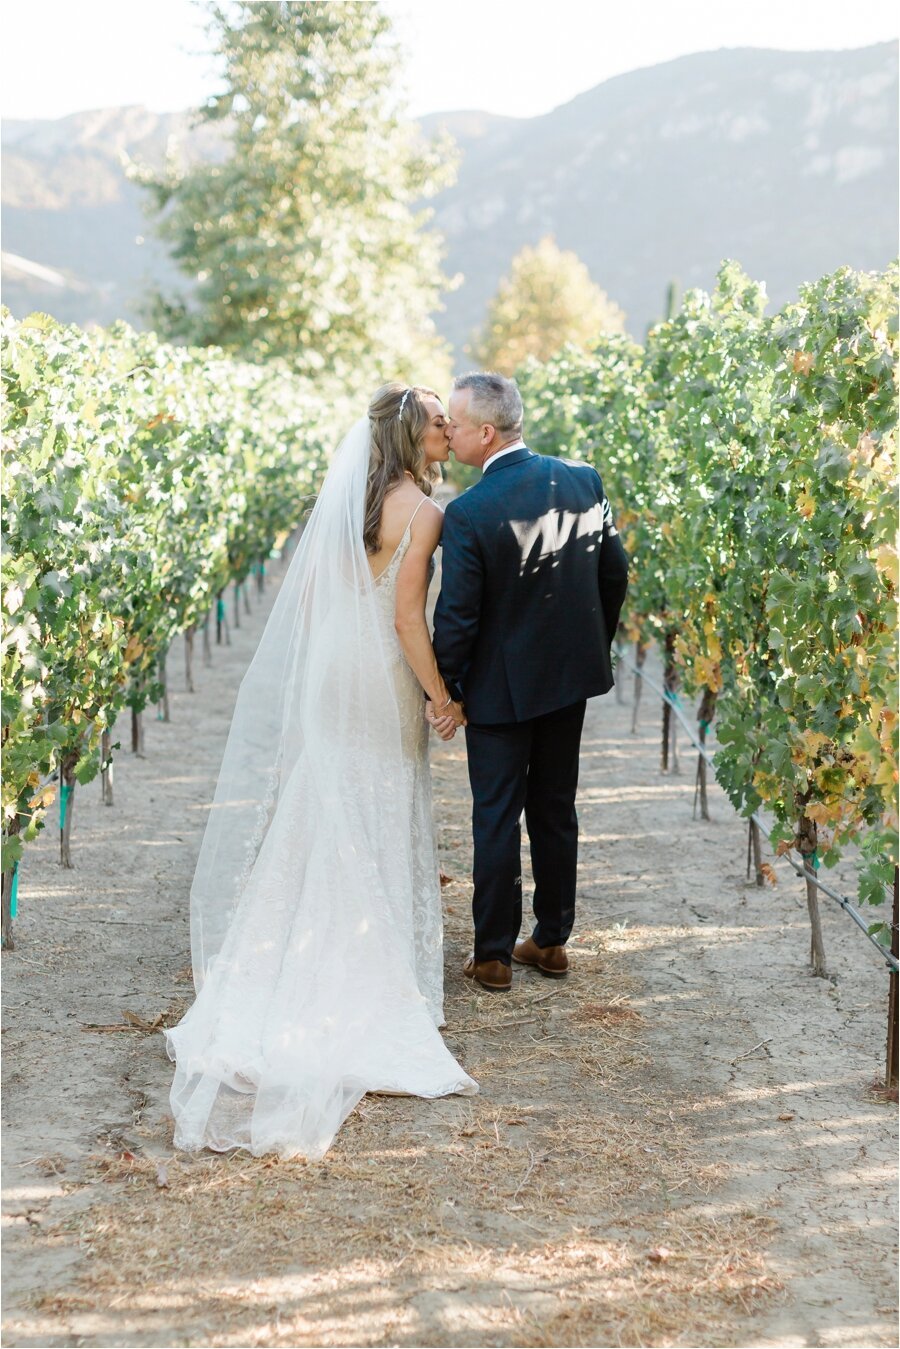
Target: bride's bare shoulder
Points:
(429, 521)
(405, 498)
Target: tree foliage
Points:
(305, 241)
(546, 301)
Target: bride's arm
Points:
(409, 615)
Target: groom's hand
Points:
(447, 722)
(456, 712)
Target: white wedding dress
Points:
(319, 970)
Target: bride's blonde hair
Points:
(398, 419)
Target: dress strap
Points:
(414, 514)
(396, 552)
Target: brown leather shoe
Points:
(490, 974)
(552, 961)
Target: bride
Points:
(316, 935)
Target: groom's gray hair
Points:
(495, 400)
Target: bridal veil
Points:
(303, 899)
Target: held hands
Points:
(447, 720)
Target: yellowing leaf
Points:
(45, 797)
(802, 363)
(823, 813)
(888, 565)
(766, 785)
(806, 505)
(707, 672)
(814, 740)
(886, 775)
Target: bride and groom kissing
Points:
(316, 929)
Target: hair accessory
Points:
(403, 403)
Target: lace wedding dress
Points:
(318, 965)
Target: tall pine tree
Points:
(305, 241)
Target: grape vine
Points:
(140, 479)
(752, 462)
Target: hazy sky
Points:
(62, 56)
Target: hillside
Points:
(76, 241)
(784, 160)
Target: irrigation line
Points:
(887, 956)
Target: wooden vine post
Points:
(237, 604)
(9, 880)
(704, 718)
(892, 1058)
(189, 658)
(137, 733)
(754, 843)
(640, 655)
(807, 842)
(163, 706)
(8, 895)
(754, 852)
(668, 760)
(106, 768)
(207, 645)
(66, 808)
(222, 631)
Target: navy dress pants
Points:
(529, 766)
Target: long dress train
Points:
(329, 980)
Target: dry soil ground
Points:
(679, 1144)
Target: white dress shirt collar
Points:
(507, 449)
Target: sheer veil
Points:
(317, 681)
(317, 863)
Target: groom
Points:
(534, 576)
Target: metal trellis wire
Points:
(807, 873)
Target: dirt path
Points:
(677, 1145)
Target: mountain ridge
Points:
(783, 160)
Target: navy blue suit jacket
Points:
(534, 576)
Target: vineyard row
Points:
(752, 462)
(140, 479)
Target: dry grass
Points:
(611, 1013)
(570, 1203)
